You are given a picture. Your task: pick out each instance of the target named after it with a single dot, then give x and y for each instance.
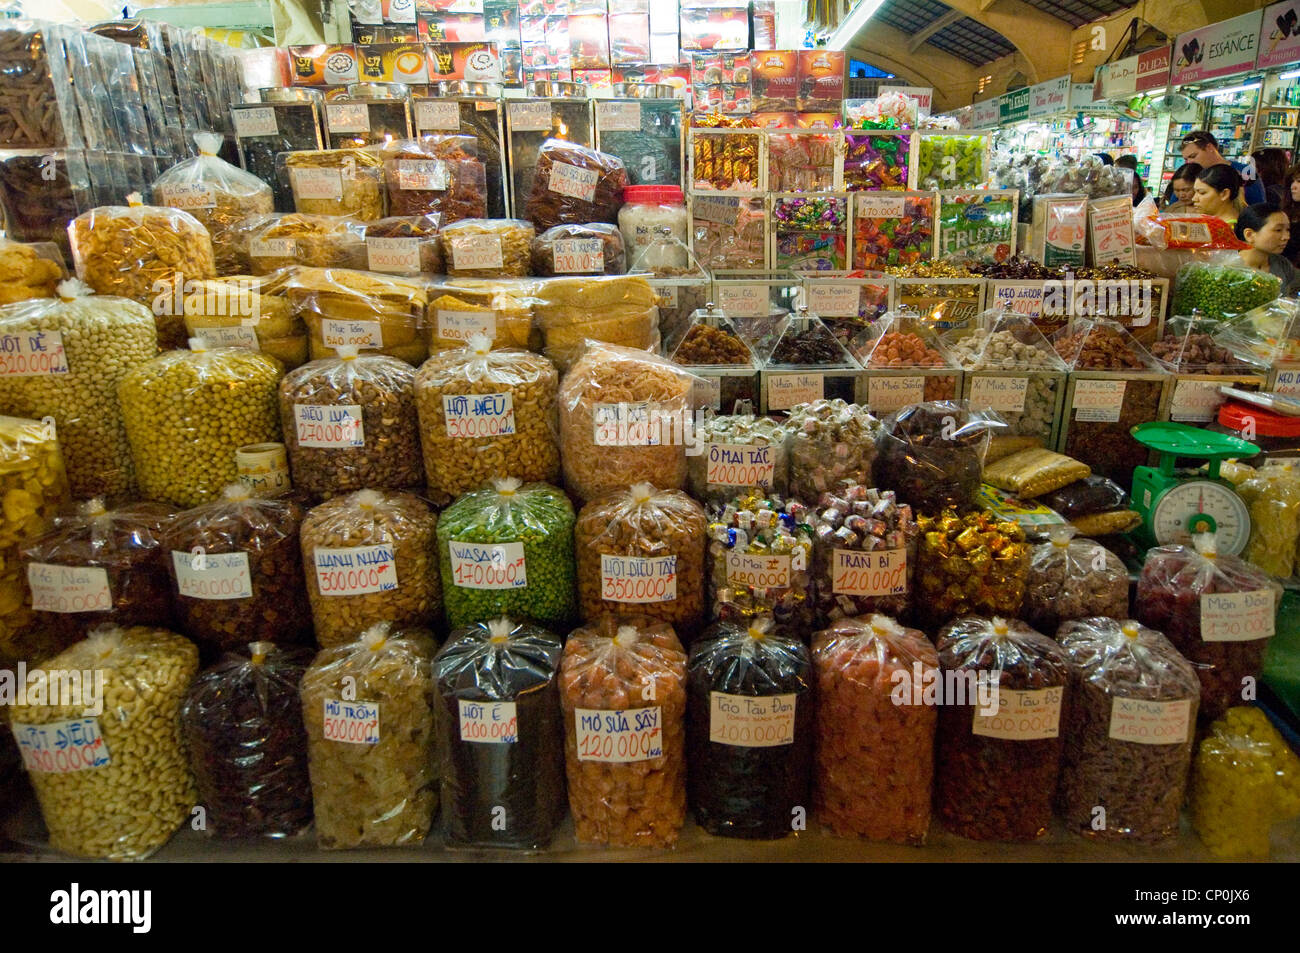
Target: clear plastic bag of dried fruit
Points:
(438, 175)
(219, 195)
(1128, 730)
(248, 747)
(1217, 609)
(1272, 494)
(99, 565)
(116, 785)
(623, 693)
(875, 729)
(932, 454)
(749, 729)
(999, 746)
(575, 184)
(236, 568)
(1073, 578)
(349, 424)
(641, 550)
(368, 708)
(500, 735)
(830, 442)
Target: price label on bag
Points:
(229, 337)
(1030, 715)
(355, 723)
(530, 117)
(348, 117)
(744, 301)
(488, 565)
(1002, 394)
(355, 570)
(618, 117)
(751, 721)
(479, 415)
(463, 325)
(273, 248)
(489, 722)
(361, 334)
(188, 197)
(786, 390)
(1195, 401)
(1238, 616)
(398, 256)
(68, 588)
(833, 301)
(879, 205)
(61, 747)
(212, 575)
(1098, 401)
(622, 736)
(425, 174)
(437, 116)
(255, 122)
(573, 181)
(759, 571)
(472, 252)
(32, 354)
(578, 256)
(880, 572)
(336, 427)
(887, 394)
(627, 425)
(317, 184)
(1150, 723)
(638, 579)
(730, 464)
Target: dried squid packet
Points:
(1128, 730)
(361, 309)
(999, 754)
(368, 705)
(875, 729)
(1031, 473)
(749, 729)
(1072, 578)
(500, 735)
(243, 725)
(623, 694)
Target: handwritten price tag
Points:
(397, 256)
(744, 301)
(626, 425)
(530, 117)
(1098, 401)
(786, 390)
(578, 256)
(573, 181)
(252, 123)
(355, 723)
(326, 427)
(272, 247)
(618, 117)
(463, 325)
(833, 301)
(638, 579)
(488, 566)
(882, 572)
(61, 747)
(229, 337)
(362, 334)
(437, 116)
(213, 575)
(740, 465)
(68, 588)
(355, 570)
(425, 174)
(875, 205)
(623, 736)
(759, 571)
(747, 721)
(188, 197)
(489, 722)
(887, 394)
(317, 184)
(1003, 394)
(472, 252)
(348, 117)
(1237, 616)
(1195, 401)
(479, 415)
(32, 354)
(1150, 723)
(1022, 715)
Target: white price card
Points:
(479, 415)
(618, 117)
(1100, 401)
(742, 465)
(347, 117)
(1195, 401)
(758, 570)
(470, 252)
(627, 425)
(1287, 382)
(638, 579)
(1028, 715)
(32, 354)
(258, 121)
(61, 747)
(434, 116)
(578, 256)
(718, 209)
(463, 325)
(394, 256)
(229, 337)
(488, 565)
(489, 722)
(326, 184)
(188, 197)
(68, 588)
(360, 334)
(272, 247)
(706, 391)
(878, 205)
(212, 575)
(1150, 723)
(1238, 616)
(834, 301)
(355, 570)
(530, 117)
(880, 572)
(887, 394)
(786, 390)
(352, 722)
(429, 175)
(751, 721)
(744, 301)
(573, 181)
(622, 736)
(329, 427)
(1002, 394)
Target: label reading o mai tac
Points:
(578, 256)
(1003, 394)
(336, 427)
(355, 723)
(189, 196)
(463, 325)
(472, 252)
(762, 572)
(212, 575)
(32, 354)
(355, 570)
(488, 565)
(745, 721)
(479, 415)
(489, 722)
(1149, 722)
(1031, 715)
(638, 579)
(887, 394)
(361, 334)
(1098, 401)
(629, 734)
(61, 747)
(731, 464)
(573, 181)
(880, 572)
(69, 588)
(317, 184)
(1237, 616)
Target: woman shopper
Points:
(1266, 228)
(1178, 200)
(1218, 192)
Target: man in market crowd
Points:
(1201, 147)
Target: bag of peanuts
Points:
(486, 414)
(114, 785)
(236, 569)
(641, 550)
(349, 424)
(368, 707)
(500, 735)
(370, 557)
(1217, 609)
(96, 566)
(1073, 579)
(999, 741)
(244, 727)
(623, 693)
(219, 195)
(1128, 730)
(749, 730)
(875, 729)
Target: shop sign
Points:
(1219, 49)
(1153, 69)
(1049, 98)
(1080, 95)
(1279, 37)
(1116, 80)
(1014, 107)
(986, 114)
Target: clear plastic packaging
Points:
(1222, 287)
(507, 549)
(593, 249)
(908, 364)
(865, 553)
(730, 232)
(361, 309)
(349, 424)
(499, 308)
(486, 414)
(488, 248)
(500, 735)
(1218, 610)
(928, 463)
(738, 453)
(368, 707)
(1030, 473)
(875, 736)
(38, 107)
(318, 241)
(1128, 730)
(831, 443)
(116, 785)
(404, 245)
(749, 730)
(335, 182)
(248, 312)
(620, 310)
(370, 557)
(368, 114)
(574, 185)
(1272, 495)
(619, 412)
(236, 568)
(970, 563)
(1073, 579)
(655, 215)
(217, 194)
(760, 562)
(87, 344)
(243, 724)
(623, 693)
(169, 403)
(999, 754)
(435, 175)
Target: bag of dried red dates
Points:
(999, 741)
(1217, 609)
(623, 693)
(749, 729)
(248, 747)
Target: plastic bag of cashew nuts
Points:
(115, 784)
(623, 692)
(368, 706)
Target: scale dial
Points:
(1199, 506)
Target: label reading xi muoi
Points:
(1149, 722)
(355, 570)
(61, 747)
(731, 464)
(336, 427)
(786, 390)
(212, 575)
(32, 354)
(474, 252)
(1003, 394)
(1195, 401)
(69, 588)
(748, 721)
(359, 334)
(1029, 715)
(887, 394)
(758, 570)
(479, 415)
(578, 256)
(488, 565)
(638, 579)
(625, 735)
(1099, 401)
(880, 572)
(1238, 616)
(573, 181)
(354, 723)
(489, 722)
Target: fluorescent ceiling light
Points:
(849, 27)
(1289, 74)
(1214, 93)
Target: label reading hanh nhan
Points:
(355, 570)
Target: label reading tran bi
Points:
(355, 570)
(355, 723)
(327, 427)
(489, 722)
(1022, 715)
(1149, 722)
(1237, 616)
(763, 721)
(212, 575)
(573, 181)
(61, 747)
(638, 579)
(488, 565)
(731, 464)
(360, 334)
(880, 572)
(68, 588)
(630, 734)
(1098, 401)
(479, 415)
(32, 354)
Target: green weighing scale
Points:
(1176, 505)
